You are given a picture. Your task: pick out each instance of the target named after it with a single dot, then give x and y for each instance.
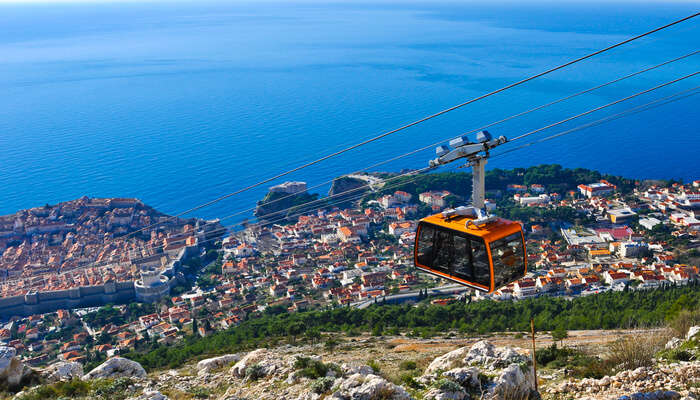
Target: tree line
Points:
(609, 310)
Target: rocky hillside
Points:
(369, 368)
(278, 206)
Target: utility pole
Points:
(534, 357)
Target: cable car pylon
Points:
(463, 148)
(468, 245)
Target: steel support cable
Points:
(429, 117)
(644, 107)
(274, 222)
(635, 110)
(322, 202)
(542, 106)
(533, 131)
(604, 106)
(517, 138)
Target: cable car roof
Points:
(491, 231)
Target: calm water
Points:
(177, 103)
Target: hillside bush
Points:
(309, 368)
(635, 351)
(447, 385)
(322, 385)
(683, 320)
(254, 372)
(407, 365)
(375, 366)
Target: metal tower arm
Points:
(477, 155)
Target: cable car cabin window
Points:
(442, 253)
(480, 259)
(462, 263)
(425, 245)
(435, 248)
(508, 259)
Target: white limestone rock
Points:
(482, 353)
(12, 370)
(150, 395)
(270, 363)
(116, 367)
(369, 387)
(694, 330)
(467, 377)
(486, 354)
(205, 366)
(448, 361)
(512, 383)
(673, 343)
(437, 394)
(63, 371)
(351, 369)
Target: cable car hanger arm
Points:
(463, 148)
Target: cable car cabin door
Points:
(468, 259)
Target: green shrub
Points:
(409, 380)
(677, 355)
(102, 389)
(335, 368)
(312, 369)
(447, 385)
(112, 388)
(40, 393)
(408, 365)
(199, 392)
(254, 372)
(322, 385)
(594, 368)
(554, 355)
(73, 388)
(375, 366)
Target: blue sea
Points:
(177, 103)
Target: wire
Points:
(604, 106)
(323, 203)
(474, 130)
(339, 195)
(375, 138)
(635, 110)
(342, 198)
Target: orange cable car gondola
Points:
(467, 245)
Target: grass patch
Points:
(408, 365)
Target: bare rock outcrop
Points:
(512, 383)
(265, 362)
(673, 343)
(352, 368)
(206, 366)
(62, 371)
(437, 394)
(467, 377)
(692, 332)
(116, 367)
(150, 395)
(12, 370)
(482, 353)
(369, 387)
